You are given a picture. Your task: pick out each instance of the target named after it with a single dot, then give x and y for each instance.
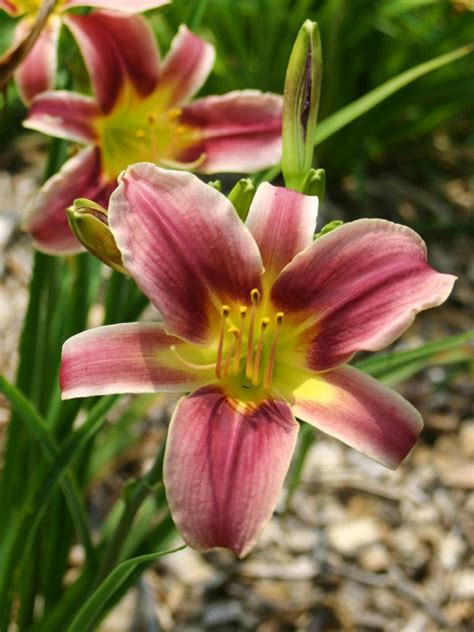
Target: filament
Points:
(258, 355)
(238, 351)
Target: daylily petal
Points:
(117, 49)
(225, 463)
(122, 6)
(64, 114)
(9, 7)
(360, 287)
(282, 223)
(128, 358)
(47, 219)
(184, 245)
(37, 72)
(353, 407)
(186, 66)
(238, 132)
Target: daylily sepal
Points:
(89, 222)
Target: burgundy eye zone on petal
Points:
(224, 467)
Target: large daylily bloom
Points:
(141, 112)
(37, 72)
(258, 323)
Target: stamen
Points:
(255, 298)
(238, 352)
(231, 350)
(258, 355)
(225, 314)
(174, 113)
(267, 380)
(191, 365)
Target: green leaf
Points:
(91, 610)
(37, 427)
(394, 367)
(357, 108)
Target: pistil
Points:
(255, 298)
(267, 380)
(258, 355)
(238, 351)
(231, 350)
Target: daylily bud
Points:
(88, 221)
(215, 184)
(314, 183)
(300, 104)
(241, 196)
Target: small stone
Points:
(463, 584)
(375, 558)
(451, 550)
(350, 536)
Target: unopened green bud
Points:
(328, 228)
(89, 222)
(314, 183)
(300, 104)
(215, 184)
(242, 195)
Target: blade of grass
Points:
(38, 429)
(91, 610)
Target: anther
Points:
(238, 351)
(225, 314)
(231, 351)
(267, 380)
(258, 355)
(255, 298)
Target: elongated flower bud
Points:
(88, 221)
(300, 104)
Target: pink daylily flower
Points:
(38, 70)
(141, 111)
(259, 322)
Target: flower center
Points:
(140, 130)
(246, 352)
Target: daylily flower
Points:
(258, 322)
(141, 112)
(38, 70)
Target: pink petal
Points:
(64, 114)
(282, 223)
(353, 407)
(47, 220)
(37, 72)
(239, 131)
(122, 6)
(128, 358)
(117, 49)
(225, 463)
(361, 286)
(184, 245)
(186, 66)
(10, 7)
